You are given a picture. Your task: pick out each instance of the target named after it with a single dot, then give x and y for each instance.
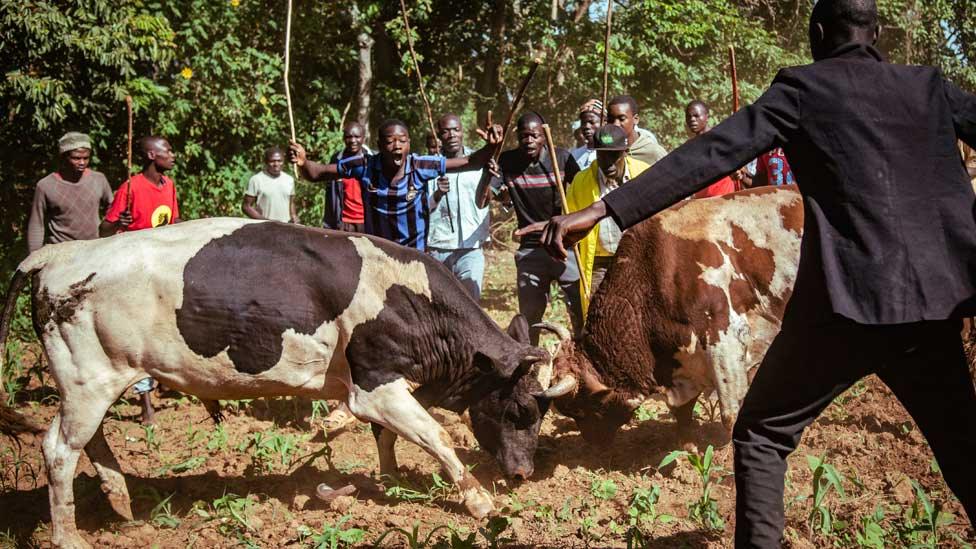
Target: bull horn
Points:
(561, 332)
(562, 387)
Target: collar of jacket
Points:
(856, 50)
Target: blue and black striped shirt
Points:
(396, 210)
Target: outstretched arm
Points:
(477, 160)
(310, 170)
(759, 127)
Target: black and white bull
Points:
(231, 309)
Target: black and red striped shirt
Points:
(532, 186)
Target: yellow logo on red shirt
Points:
(162, 215)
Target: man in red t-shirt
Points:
(696, 122)
(343, 198)
(153, 194)
(153, 205)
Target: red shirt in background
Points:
(720, 187)
(152, 206)
(773, 169)
(352, 201)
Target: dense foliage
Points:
(207, 74)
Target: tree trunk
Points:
(489, 87)
(364, 84)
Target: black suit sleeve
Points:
(963, 107)
(767, 123)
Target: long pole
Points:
(551, 146)
(735, 80)
(485, 196)
(128, 164)
(606, 60)
(734, 72)
(423, 95)
(291, 115)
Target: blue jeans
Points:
(143, 386)
(537, 270)
(467, 264)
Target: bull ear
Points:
(518, 329)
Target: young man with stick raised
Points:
(528, 173)
(145, 201)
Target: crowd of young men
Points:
(436, 202)
(886, 274)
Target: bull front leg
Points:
(392, 406)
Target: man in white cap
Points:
(68, 202)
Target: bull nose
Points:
(522, 474)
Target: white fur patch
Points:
(723, 364)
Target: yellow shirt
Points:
(585, 190)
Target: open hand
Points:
(564, 231)
(492, 133)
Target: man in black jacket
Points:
(888, 258)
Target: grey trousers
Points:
(537, 270)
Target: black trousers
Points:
(810, 364)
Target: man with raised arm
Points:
(393, 181)
(888, 254)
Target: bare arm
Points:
(493, 137)
(293, 217)
(109, 228)
(250, 208)
(310, 170)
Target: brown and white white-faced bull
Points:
(693, 301)
(230, 309)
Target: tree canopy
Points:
(207, 74)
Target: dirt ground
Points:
(252, 482)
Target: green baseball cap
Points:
(610, 138)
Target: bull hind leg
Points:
(392, 406)
(72, 430)
(110, 473)
(89, 385)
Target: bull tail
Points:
(12, 422)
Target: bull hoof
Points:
(73, 541)
(121, 504)
(478, 502)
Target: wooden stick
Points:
(128, 164)
(291, 116)
(423, 95)
(735, 96)
(515, 104)
(416, 68)
(735, 80)
(551, 146)
(485, 196)
(606, 61)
